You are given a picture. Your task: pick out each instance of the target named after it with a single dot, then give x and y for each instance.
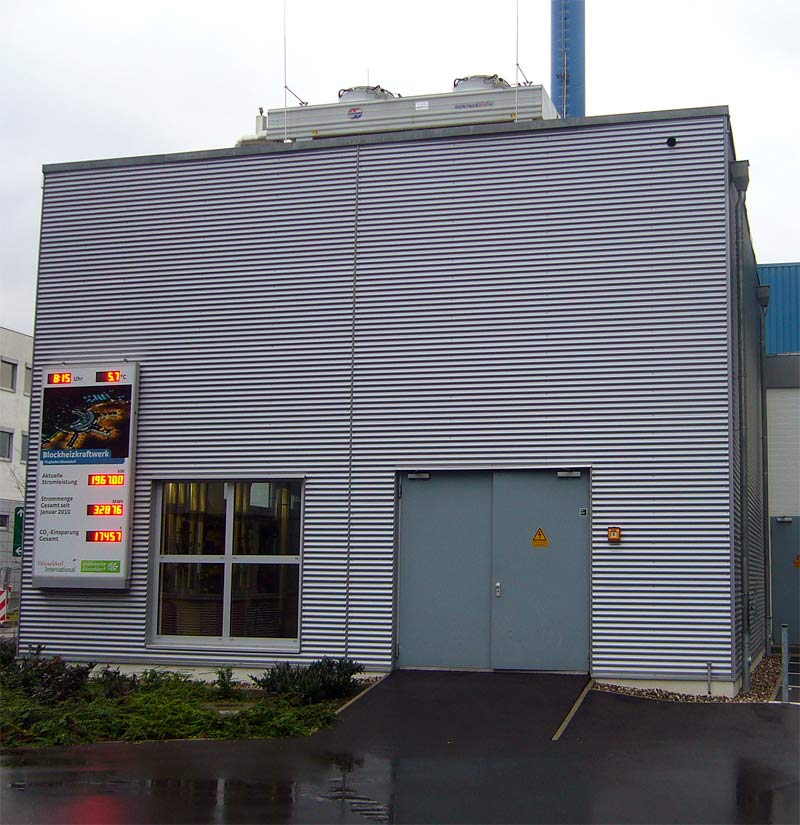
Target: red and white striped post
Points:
(3, 606)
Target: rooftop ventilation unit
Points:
(366, 109)
(479, 83)
(358, 94)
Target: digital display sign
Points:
(108, 377)
(102, 536)
(84, 493)
(106, 479)
(105, 509)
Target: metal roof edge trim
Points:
(388, 137)
(782, 263)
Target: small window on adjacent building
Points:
(4, 521)
(6, 444)
(8, 375)
(28, 379)
(23, 450)
(229, 561)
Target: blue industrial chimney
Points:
(567, 57)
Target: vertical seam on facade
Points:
(351, 410)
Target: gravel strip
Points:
(763, 683)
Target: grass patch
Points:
(48, 702)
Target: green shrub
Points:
(45, 679)
(279, 717)
(167, 713)
(26, 721)
(224, 683)
(47, 702)
(8, 652)
(322, 681)
(160, 678)
(112, 684)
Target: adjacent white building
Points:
(16, 359)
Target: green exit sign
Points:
(19, 521)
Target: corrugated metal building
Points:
(396, 389)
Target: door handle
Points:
(497, 590)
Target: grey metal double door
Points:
(494, 571)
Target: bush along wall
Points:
(46, 701)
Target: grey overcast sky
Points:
(82, 79)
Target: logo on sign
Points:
(355, 113)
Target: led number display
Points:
(104, 536)
(106, 479)
(108, 377)
(104, 509)
(59, 377)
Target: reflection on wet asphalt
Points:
(403, 757)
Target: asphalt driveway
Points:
(442, 747)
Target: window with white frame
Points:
(8, 375)
(6, 444)
(23, 450)
(229, 561)
(28, 379)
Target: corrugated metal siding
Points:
(231, 282)
(535, 302)
(749, 534)
(756, 538)
(783, 313)
(535, 299)
(736, 423)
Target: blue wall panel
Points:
(783, 314)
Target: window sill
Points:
(210, 643)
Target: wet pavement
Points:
(442, 747)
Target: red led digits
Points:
(104, 536)
(108, 377)
(106, 479)
(104, 509)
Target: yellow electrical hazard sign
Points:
(797, 560)
(540, 539)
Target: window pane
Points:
(6, 442)
(23, 455)
(193, 518)
(28, 379)
(190, 599)
(266, 519)
(265, 600)
(8, 375)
